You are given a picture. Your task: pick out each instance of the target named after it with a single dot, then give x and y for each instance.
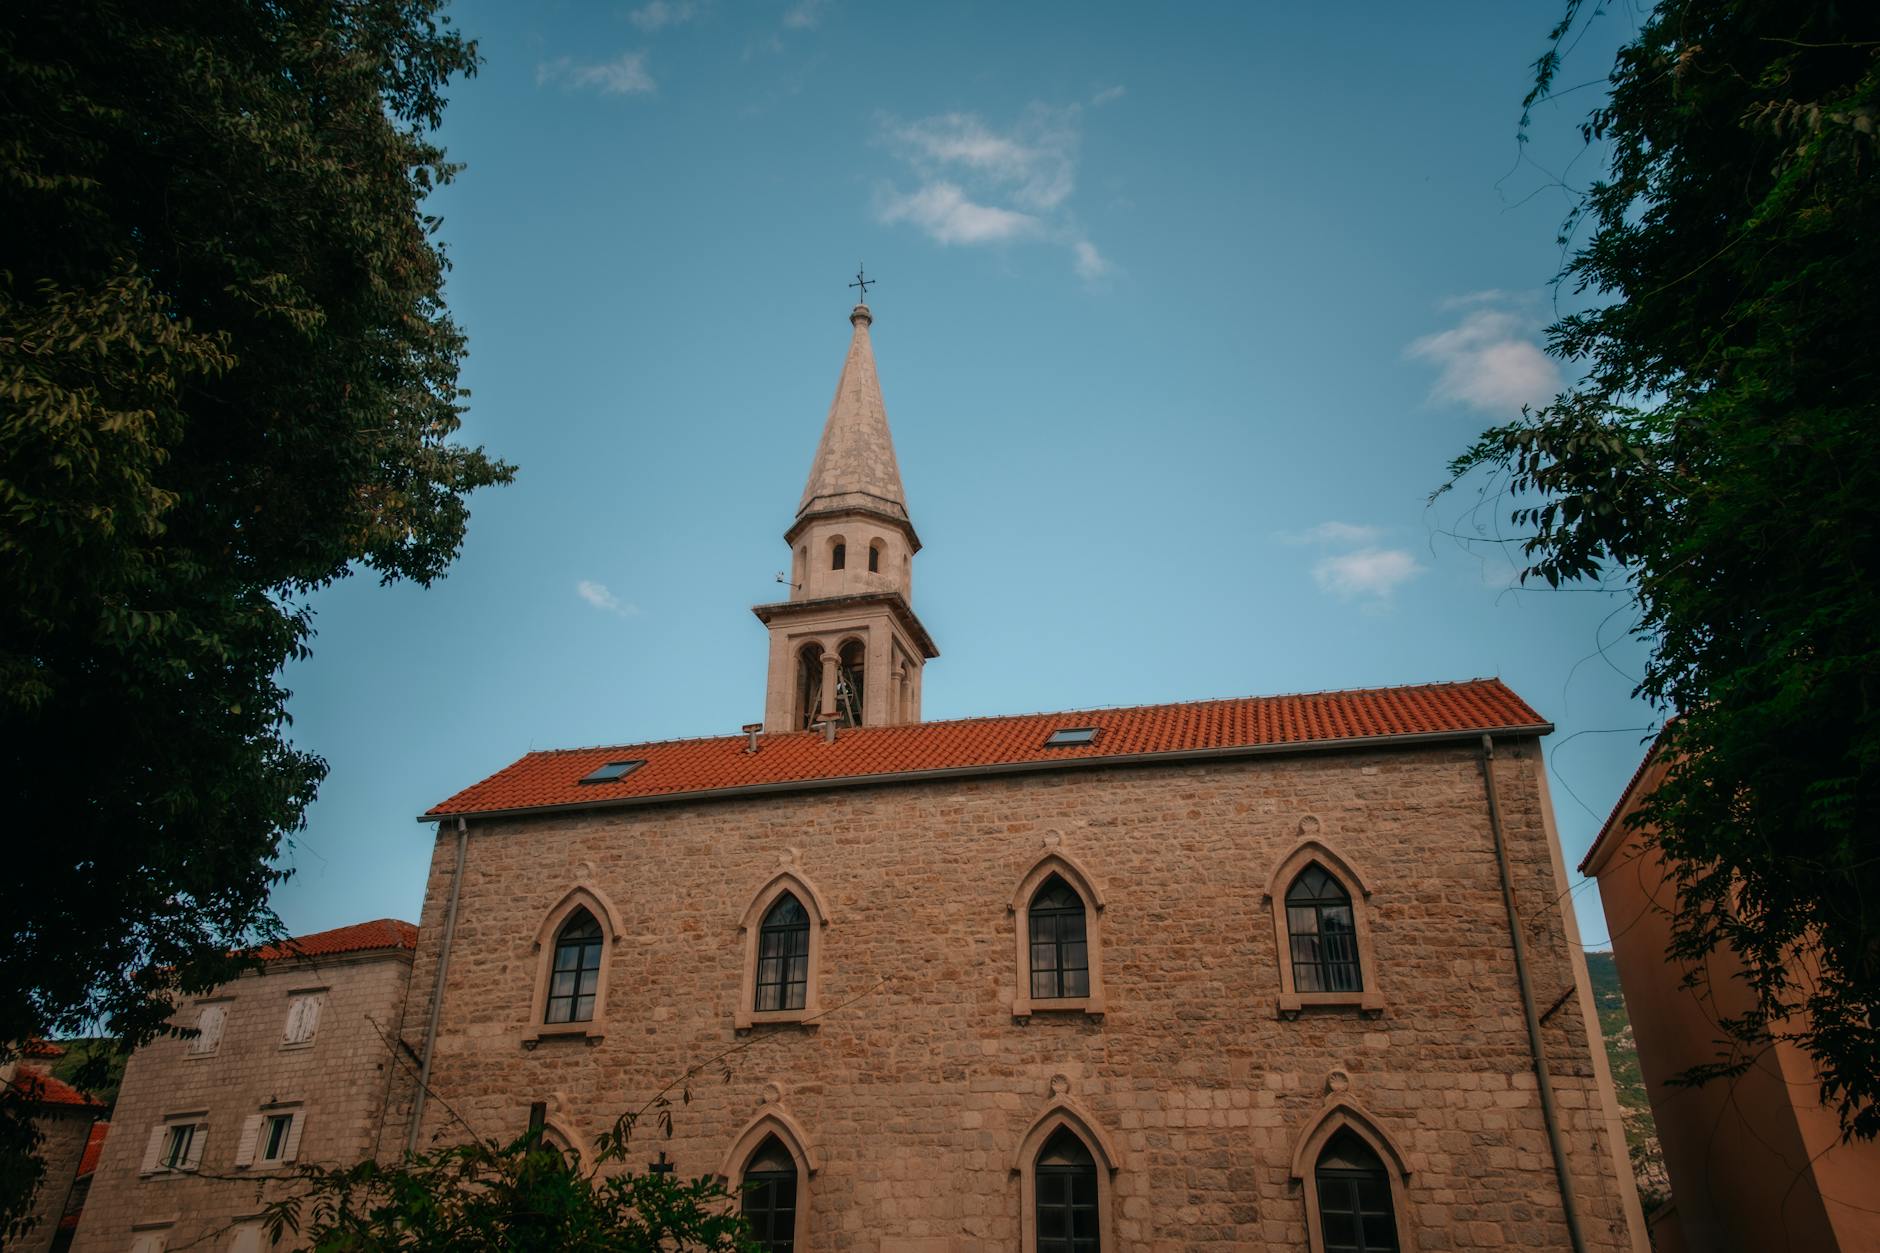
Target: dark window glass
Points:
(576, 976)
(1071, 737)
(1060, 955)
(874, 559)
(770, 1197)
(1355, 1214)
(838, 556)
(276, 1142)
(612, 772)
(783, 956)
(176, 1150)
(1324, 936)
(1065, 1181)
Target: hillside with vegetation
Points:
(1641, 1132)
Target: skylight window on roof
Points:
(613, 772)
(1071, 737)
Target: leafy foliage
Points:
(227, 379)
(526, 1195)
(1719, 453)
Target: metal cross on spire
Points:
(864, 284)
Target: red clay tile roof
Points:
(39, 1086)
(42, 1048)
(94, 1146)
(674, 768)
(361, 937)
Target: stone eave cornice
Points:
(896, 603)
(861, 505)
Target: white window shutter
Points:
(303, 1018)
(251, 1131)
(195, 1146)
(153, 1156)
(210, 1026)
(248, 1239)
(291, 1149)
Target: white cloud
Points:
(1336, 533)
(944, 212)
(978, 184)
(1107, 95)
(1035, 162)
(597, 595)
(1369, 572)
(660, 14)
(805, 14)
(625, 75)
(1489, 360)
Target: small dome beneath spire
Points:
(860, 313)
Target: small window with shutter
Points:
(176, 1144)
(303, 1018)
(209, 1024)
(270, 1138)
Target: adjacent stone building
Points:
(286, 1064)
(1756, 1162)
(1277, 973)
(66, 1119)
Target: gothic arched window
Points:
(1065, 1191)
(1355, 1212)
(838, 555)
(783, 956)
(1323, 934)
(1060, 953)
(770, 1188)
(576, 974)
(874, 558)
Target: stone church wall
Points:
(917, 1088)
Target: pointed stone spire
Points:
(855, 466)
(846, 646)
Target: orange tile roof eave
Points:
(1598, 850)
(438, 813)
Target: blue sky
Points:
(1181, 314)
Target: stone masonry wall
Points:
(341, 1079)
(66, 1128)
(918, 1090)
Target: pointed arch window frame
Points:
(773, 1120)
(590, 897)
(1062, 1114)
(1369, 997)
(750, 927)
(1341, 1113)
(1085, 885)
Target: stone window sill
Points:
(296, 1046)
(1088, 1006)
(777, 1017)
(589, 1031)
(1291, 1004)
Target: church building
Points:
(1289, 972)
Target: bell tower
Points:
(846, 646)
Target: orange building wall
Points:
(1755, 1162)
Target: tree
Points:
(1718, 454)
(526, 1195)
(227, 379)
